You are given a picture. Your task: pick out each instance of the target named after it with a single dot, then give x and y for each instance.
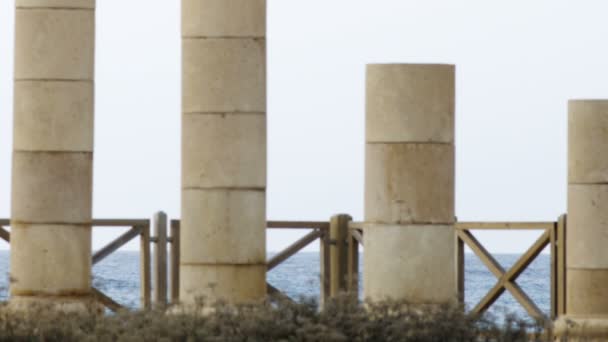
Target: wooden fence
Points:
(339, 240)
(137, 228)
(553, 235)
(318, 230)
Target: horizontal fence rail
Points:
(504, 225)
(339, 239)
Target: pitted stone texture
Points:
(224, 18)
(52, 187)
(587, 292)
(223, 151)
(223, 226)
(31, 305)
(416, 263)
(581, 329)
(410, 103)
(231, 283)
(588, 141)
(54, 44)
(587, 233)
(409, 183)
(84, 4)
(50, 260)
(224, 75)
(53, 116)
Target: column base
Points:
(411, 263)
(207, 284)
(191, 310)
(581, 328)
(64, 304)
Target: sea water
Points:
(119, 277)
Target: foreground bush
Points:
(342, 319)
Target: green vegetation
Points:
(342, 319)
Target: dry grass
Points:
(343, 319)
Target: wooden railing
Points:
(159, 269)
(137, 228)
(318, 230)
(553, 235)
(339, 239)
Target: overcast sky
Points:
(518, 62)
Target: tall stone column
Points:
(409, 183)
(223, 241)
(53, 152)
(587, 226)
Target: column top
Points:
(587, 141)
(411, 65)
(410, 103)
(597, 101)
(58, 4)
(224, 19)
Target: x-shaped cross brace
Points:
(506, 279)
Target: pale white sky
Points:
(518, 62)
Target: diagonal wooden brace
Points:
(358, 235)
(293, 249)
(273, 291)
(116, 244)
(506, 279)
(5, 235)
(106, 300)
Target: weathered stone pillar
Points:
(53, 152)
(223, 241)
(587, 228)
(409, 183)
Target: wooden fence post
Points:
(325, 266)
(338, 255)
(144, 260)
(160, 259)
(561, 264)
(460, 268)
(553, 248)
(352, 285)
(175, 247)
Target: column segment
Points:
(223, 240)
(587, 226)
(52, 152)
(409, 183)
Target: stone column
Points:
(409, 183)
(53, 152)
(223, 241)
(587, 226)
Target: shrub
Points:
(342, 319)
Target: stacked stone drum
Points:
(409, 183)
(223, 239)
(587, 224)
(53, 152)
